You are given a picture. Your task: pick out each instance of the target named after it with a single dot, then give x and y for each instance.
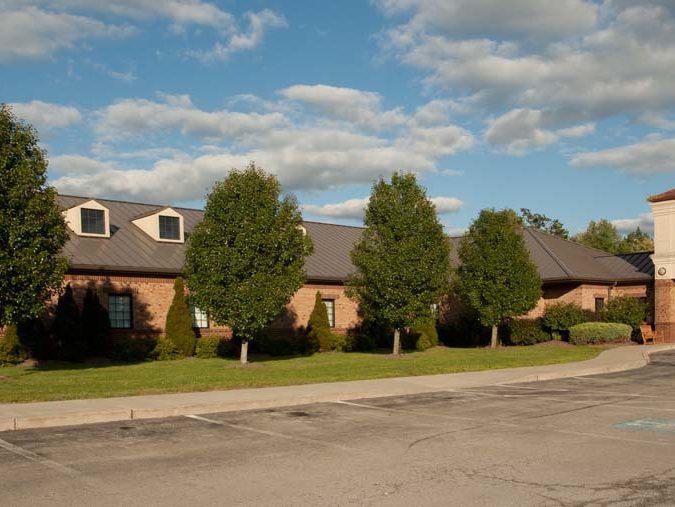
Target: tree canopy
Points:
(496, 276)
(245, 260)
(604, 236)
(543, 223)
(32, 229)
(402, 261)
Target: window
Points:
(93, 221)
(119, 311)
(199, 317)
(599, 306)
(330, 308)
(169, 227)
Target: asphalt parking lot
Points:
(601, 440)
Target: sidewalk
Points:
(62, 413)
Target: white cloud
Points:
(242, 40)
(351, 208)
(131, 117)
(31, 33)
(45, 115)
(468, 18)
(645, 222)
(647, 157)
(355, 208)
(437, 141)
(572, 63)
(349, 104)
(78, 164)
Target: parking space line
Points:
(276, 434)
(511, 386)
(36, 458)
(401, 411)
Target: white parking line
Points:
(31, 456)
(275, 434)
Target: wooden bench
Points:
(648, 334)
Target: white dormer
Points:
(90, 219)
(165, 225)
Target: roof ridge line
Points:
(557, 259)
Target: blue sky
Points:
(566, 107)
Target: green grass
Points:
(64, 381)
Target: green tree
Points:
(32, 229)
(245, 260)
(636, 241)
(67, 328)
(601, 235)
(543, 223)
(402, 261)
(179, 321)
(318, 327)
(95, 324)
(496, 276)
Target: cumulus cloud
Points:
(357, 106)
(556, 68)
(355, 208)
(45, 115)
(131, 117)
(647, 157)
(241, 40)
(32, 33)
(645, 222)
(468, 18)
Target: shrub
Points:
(95, 325)
(11, 349)
(524, 332)
(599, 332)
(166, 350)
(67, 328)
(420, 336)
(34, 337)
(132, 348)
(354, 341)
(465, 331)
(625, 310)
(276, 345)
(560, 317)
(179, 322)
(319, 334)
(209, 347)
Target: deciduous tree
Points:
(32, 229)
(496, 276)
(245, 260)
(402, 261)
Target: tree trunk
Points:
(397, 342)
(493, 339)
(244, 351)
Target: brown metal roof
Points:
(664, 196)
(130, 250)
(562, 260)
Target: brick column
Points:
(664, 311)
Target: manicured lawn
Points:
(63, 381)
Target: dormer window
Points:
(89, 219)
(93, 221)
(169, 227)
(163, 224)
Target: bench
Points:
(648, 334)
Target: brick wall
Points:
(152, 295)
(664, 313)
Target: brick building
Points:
(131, 253)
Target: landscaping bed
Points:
(65, 381)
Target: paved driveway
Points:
(581, 441)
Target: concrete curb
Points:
(75, 412)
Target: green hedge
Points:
(422, 336)
(523, 332)
(11, 349)
(560, 317)
(209, 347)
(166, 350)
(625, 310)
(599, 332)
(132, 348)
